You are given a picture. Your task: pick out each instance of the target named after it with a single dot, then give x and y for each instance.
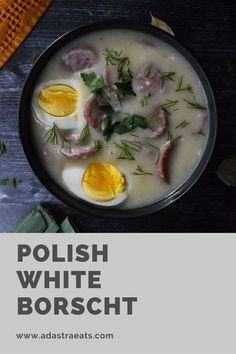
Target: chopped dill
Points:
(54, 136)
(114, 57)
(153, 146)
(180, 86)
(195, 105)
(167, 105)
(183, 124)
(140, 172)
(166, 75)
(144, 99)
(126, 146)
(201, 132)
(84, 136)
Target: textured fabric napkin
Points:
(17, 18)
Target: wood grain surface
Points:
(208, 30)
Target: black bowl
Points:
(28, 143)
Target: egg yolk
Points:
(102, 182)
(58, 100)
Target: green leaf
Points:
(93, 81)
(227, 172)
(106, 127)
(125, 88)
(130, 123)
(156, 22)
(107, 108)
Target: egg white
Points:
(72, 178)
(72, 121)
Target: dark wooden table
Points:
(208, 30)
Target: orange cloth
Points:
(17, 18)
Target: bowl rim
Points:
(28, 146)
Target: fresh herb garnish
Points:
(97, 145)
(153, 146)
(168, 104)
(130, 123)
(84, 135)
(125, 88)
(3, 148)
(107, 127)
(195, 105)
(144, 99)
(170, 136)
(140, 172)
(125, 76)
(201, 132)
(12, 181)
(126, 146)
(183, 124)
(107, 108)
(114, 57)
(180, 86)
(166, 75)
(54, 136)
(93, 81)
(135, 135)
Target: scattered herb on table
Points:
(35, 55)
(166, 75)
(85, 135)
(88, 11)
(195, 105)
(144, 99)
(140, 172)
(3, 148)
(183, 124)
(11, 181)
(156, 22)
(227, 171)
(94, 81)
(181, 87)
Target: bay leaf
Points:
(156, 22)
(227, 172)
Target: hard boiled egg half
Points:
(60, 102)
(99, 183)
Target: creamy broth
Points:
(141, 49)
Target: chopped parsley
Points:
(93, 81)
